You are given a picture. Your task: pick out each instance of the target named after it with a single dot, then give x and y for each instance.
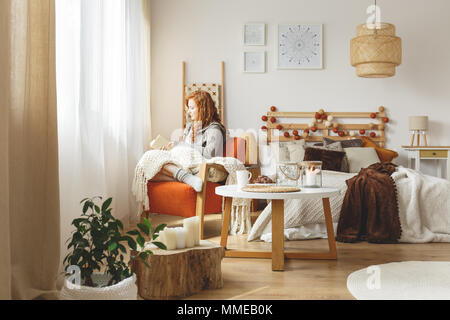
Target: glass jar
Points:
(311, 174)
(288, 174)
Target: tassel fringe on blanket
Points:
(190, 159)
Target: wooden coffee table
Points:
(278, 254)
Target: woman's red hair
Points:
(207, 111)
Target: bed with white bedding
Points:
(423, 201)
(424, 209)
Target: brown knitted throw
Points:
(370, 208)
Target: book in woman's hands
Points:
(159, 142)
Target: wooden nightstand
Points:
(428, 153)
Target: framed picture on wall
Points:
(255, 62)
(300, 46)
(255, 34)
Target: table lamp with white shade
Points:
(418, 125)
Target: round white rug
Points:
(411, 280)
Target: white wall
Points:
(205, 32)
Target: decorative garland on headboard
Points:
(325, 124)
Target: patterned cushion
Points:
(353, 143)
(331, 160)
(336, 146)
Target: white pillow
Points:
(296, 151)
(271, 155)
(287, 151)
(267, 160)
(279, 152)
(360, 158)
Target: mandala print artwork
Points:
(300, 46)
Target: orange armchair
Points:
(179, 199)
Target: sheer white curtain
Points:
(103, 87)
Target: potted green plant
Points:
(99, 256)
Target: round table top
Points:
(304, 193)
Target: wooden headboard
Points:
(376, 125)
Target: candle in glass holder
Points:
(181, 238)
(312, 174)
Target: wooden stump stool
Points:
(180, 273)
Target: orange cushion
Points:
(179, 199)
(235, 148)
(385, 155)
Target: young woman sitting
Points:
(205, 133)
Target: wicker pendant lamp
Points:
(376, 51)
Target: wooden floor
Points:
(253, 279)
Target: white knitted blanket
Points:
(423, 205)
(190, 159)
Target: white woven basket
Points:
(124, 290)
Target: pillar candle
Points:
(171, 238)
(196, 230)
(311, 177)
(181, 238)
(189, 228)
(161, 238)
